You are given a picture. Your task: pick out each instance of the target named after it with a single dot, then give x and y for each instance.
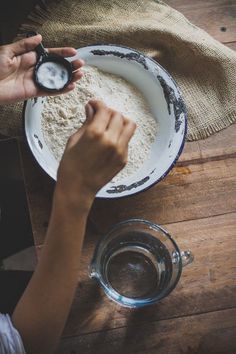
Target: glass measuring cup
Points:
(138, 263)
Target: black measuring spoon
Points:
(53, 67)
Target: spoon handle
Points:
(40, 50)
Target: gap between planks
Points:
(207, 333)
(167, 319)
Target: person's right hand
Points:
(96, 152)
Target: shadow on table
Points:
(85, 308)
(125, 340)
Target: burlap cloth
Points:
(204, 69)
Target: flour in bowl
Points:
(63, 115)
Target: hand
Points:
(95, 153)
(17, 61)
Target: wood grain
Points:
(193, 4)
(189, 192)
(208, 284)
(195, 175)
(216, 17)
(232, 45)
(217, 146)
(210, 333)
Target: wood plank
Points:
(93, 307)
(232, 45)
(208, 284)
(181, 196)
(219, 22)
(185, 194)
(219, 145)
(211, 333)
(215, 17)
(192, 4)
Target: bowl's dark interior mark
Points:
(123, 187)
(178, 104)
(39, 142)
(35, 99)
(139, 58)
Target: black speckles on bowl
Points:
(178, 103)
(39, 142)
(138, 57)
(35, 99)
(122, 187)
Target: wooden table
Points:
(196, 203)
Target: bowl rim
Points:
(115, 196)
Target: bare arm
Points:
(42, 311)
(93, 156)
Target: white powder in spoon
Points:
(52, 75)
(63, 115)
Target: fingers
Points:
(115, 126)
(30, 59)
(64, 52)
(69, 88)
(77, 64)
(91, 108)
(77, 76)
(127, 133)
(25, 45)
(77, 73)
(119, 128)
(77, 135)
(97, 104)
(68, 52)
(101, 117)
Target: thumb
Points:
(25, 45)
(89, 111)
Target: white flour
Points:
(64, 114)
(52, 75)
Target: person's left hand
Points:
(17, 62)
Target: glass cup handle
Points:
(187, 257)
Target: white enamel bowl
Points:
(166, 105)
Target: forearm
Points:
(43, 309)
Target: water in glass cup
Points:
(138, 263)
(133, 271)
